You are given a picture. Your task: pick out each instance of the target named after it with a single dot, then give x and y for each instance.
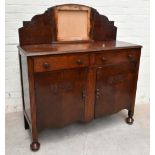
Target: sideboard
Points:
(73, 69)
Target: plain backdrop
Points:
(131, 18)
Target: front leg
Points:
(35, 145)
(129, 119)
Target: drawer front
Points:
(50, 63)
(112, 57)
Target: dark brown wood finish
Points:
(42, 29)
(21, 68)
(56, 49)
(62, 94)
(50, 63)
(70, 81)
(90, 90)
(115, 84)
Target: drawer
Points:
(112, 57)
(49, 63)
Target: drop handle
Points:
(79, 62)
(46, 65)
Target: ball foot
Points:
(35, 146)
(129, 120)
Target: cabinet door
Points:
(115, 88)
(60, 97)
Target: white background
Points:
(131, 18)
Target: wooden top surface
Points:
(49, 49)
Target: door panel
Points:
(114, 89)
(59, 97)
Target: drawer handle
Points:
(79, 62)
(103, 59)
(131, 57)
(46, 65)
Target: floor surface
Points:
(104, 136)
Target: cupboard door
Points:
(60, 97)
(115, 88)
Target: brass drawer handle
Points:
(46, 65)
(103, 59)
(79, 62)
